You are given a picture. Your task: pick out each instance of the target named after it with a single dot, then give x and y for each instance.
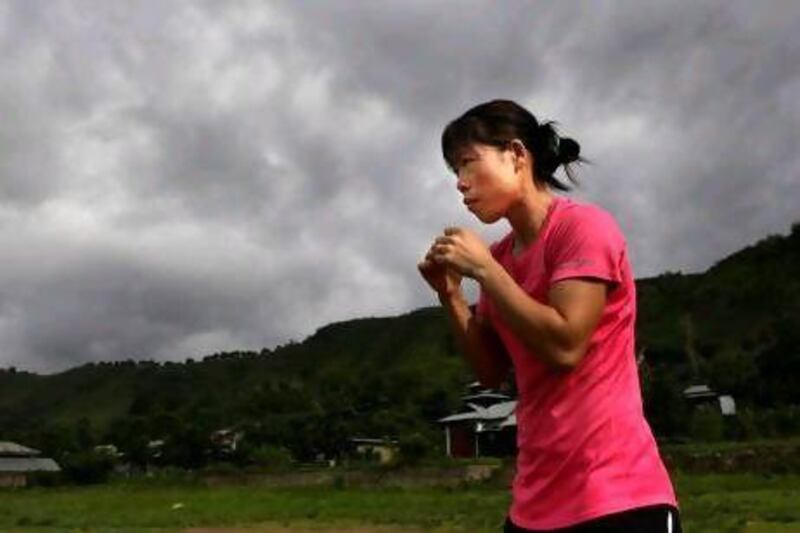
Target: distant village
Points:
(484, 426)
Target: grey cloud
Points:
(177, 178)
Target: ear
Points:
(519, 153)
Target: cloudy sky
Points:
(179, 178)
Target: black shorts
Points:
(650, 519)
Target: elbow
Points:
(566, 359)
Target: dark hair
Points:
(497, 123)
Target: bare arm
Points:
(478, 342)
(558, 333)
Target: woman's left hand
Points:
(462, 250)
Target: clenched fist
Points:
(460, 250)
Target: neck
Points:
(528, 216)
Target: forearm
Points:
(481, 354)
(541, 328)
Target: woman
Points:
(557, 301)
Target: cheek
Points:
(510, 185)
(490, 209)
(505, 193)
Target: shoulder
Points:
(583, 217)
(577, 211)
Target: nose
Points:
(462, 184)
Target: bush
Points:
(45, 479)
(221, 468)
(272, 457)
(413, 448)
(170, 475)
(746, 426)
(787, 420)
(87, 467)
(779, 422)
(706, 424)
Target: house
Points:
(17, 462)
(155, 448)
(485, 397)
(703, 395)
(384, 449)
(117, 457)
(110, 450)
(487, 426)
(224, 442)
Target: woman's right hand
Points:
(442, 279)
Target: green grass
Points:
(739, 502)
(713, 503)
(728, 446)
(152, 507)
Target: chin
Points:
(488, 218)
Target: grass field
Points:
(710, 503)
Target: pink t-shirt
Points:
(585, 448)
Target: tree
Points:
(733, 371)
(665, 407)
(87, 466)
(83, 434)
(413, 448)
(130, 436)
(706, 424)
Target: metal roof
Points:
(486, 395)
(501, 410)
(510, 421)
(12, 449)
(28, 464)
(698, 391)
(473, 415)
(493, 412)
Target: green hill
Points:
(734, 326)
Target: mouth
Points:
(469, 201)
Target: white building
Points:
(17, 462)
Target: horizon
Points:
(276, 347)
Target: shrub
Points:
(86, 467)
(779, 422)
(746, 426)
(706, 424)
(787, 420)
(272, 457)
(45, 479)
(413, 448)
(221, 468)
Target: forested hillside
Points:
(735, 327)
